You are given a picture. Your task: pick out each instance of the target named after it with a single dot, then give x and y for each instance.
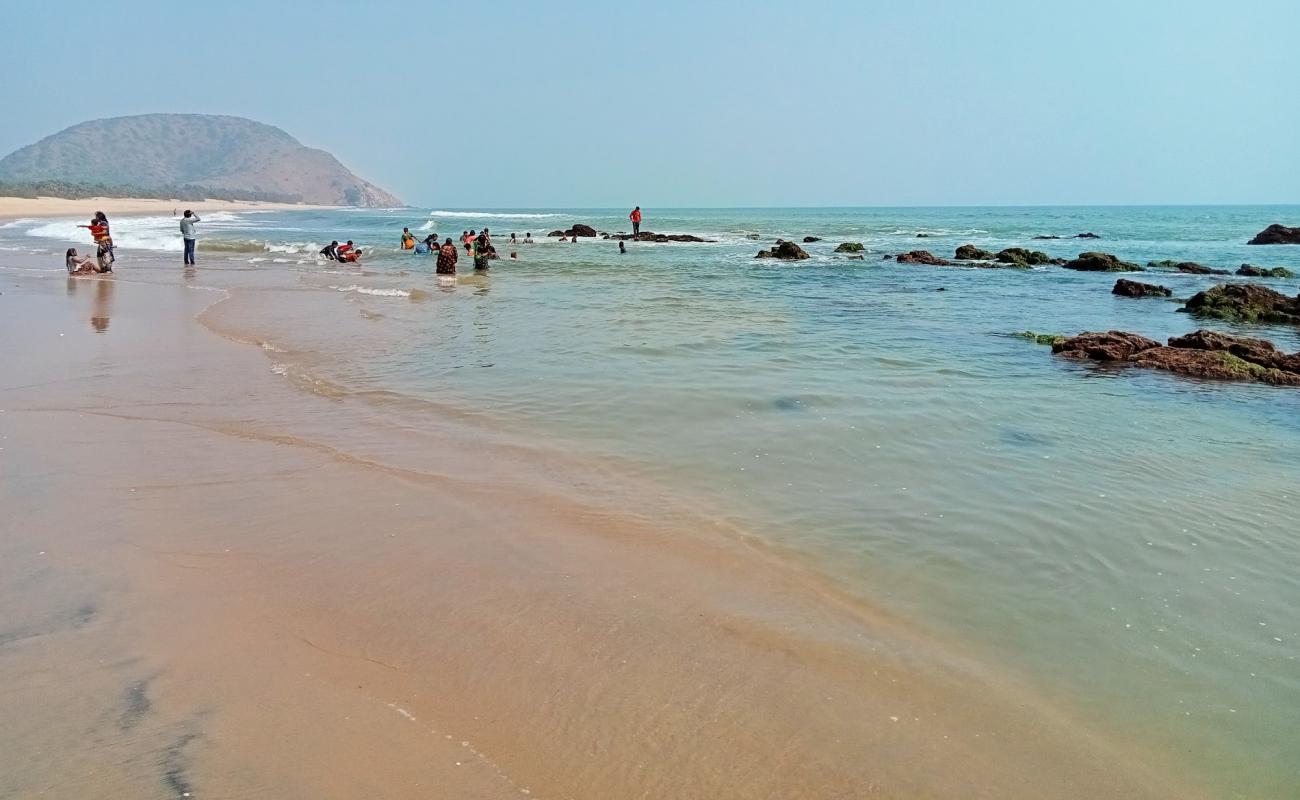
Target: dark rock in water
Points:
(650, 236)
(1203, 354)
(969, 252)
(1245, 302)
(754, 236)
(923, 236)
(557, 233)
(1020, 257)
(1108, 346)
(811, 239)
(1088, 235)
(786, 251)
(923, 257)
(1188, 267)
(1252, 271)
(1277, 234)
(1127, 288)
(1047, 237)
(1100, 262)
(788, 404)
(581, 230)
(941, 289)
(850, 247)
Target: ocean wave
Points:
(370, 290)
(491, 215)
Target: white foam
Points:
(372, 291)
(491, 215)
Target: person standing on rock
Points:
(635, 216)
(189, 235)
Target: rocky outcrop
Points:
(811, 239)
(786, 251)
(1020, 257)
(1049, 236)
(1251, 271)
(1203, 354)
(1039, 338)
(1127, 288)
(850, 247)
(922, 257)
(1277, 234)
(581, 230)
(1088, 235)
(1245, 302)
(1100, 262)
(1107, 346)
(557, 233)
(969, 252)
(1187, 267)
(650, 236)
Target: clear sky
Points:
(667, 103)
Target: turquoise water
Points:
(1124, 541)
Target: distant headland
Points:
(186, 157)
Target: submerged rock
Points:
(581, 230)
(1245, 302)
(1020, 257)
(811, 239)
(786, 251)
(1088, 235)
(557, 233)
(1277, 234)
(1100, 262)
(1040, 338)
(850, 247)
(1251, 271)
(922, 257)
(969, 252)
(1202, 354)
(1049, 236)
(1127, 288)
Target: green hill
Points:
(171, 154)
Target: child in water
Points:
(79, 265)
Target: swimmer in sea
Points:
(331, 250)
(528, 238)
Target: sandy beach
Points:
(26, 207)
(219, 582)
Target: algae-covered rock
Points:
(850, 247)
(1100, 262)
(1251, 271)
(1103, 346)
(1039, 338)
(1245, 302)
(1202, 354)
(1187, 267)
(969, 252)
(1021, 257)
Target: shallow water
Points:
(1122, 540)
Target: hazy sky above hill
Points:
(693, 104)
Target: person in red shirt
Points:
(635, 216)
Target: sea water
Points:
(1124, 541)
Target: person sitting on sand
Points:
(528, 238)
(447, 256)
(331, 250)
(79, 265)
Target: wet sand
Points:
(217, 584)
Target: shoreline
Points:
(42, 207)
(287, 580)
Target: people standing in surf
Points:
(513, 240)
(483, 251)
(447, 256)
(528, 238)
(635, 216)
(468, 239)
(190, 236)
(408, 239)
(331, 250)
